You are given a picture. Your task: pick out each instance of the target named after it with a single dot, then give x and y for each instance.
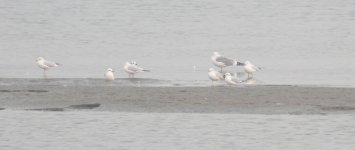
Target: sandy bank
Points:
(248, 99)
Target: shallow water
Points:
(296, 42)
(121, 130)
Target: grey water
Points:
(121, 130)
(295, 42)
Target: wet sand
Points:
(256, 99)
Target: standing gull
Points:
(214, 75)
(231, 80)
(45, 65)
(221, 61)
(250, 68)
(132, 68)
(109, 76)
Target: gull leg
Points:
(45, 73)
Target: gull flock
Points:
(132, 68)
(221, 62)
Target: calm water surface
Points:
(120, 130)
(296, 42)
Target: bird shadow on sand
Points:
(85, 106)
(30, 91)
(71, 107)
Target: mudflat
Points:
(256, 99)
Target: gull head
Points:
(227, 74)
(134, 63)
(110, 70)
(247, 62)
(39, 59)
(216, 54)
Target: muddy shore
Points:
(257, 99)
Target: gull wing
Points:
(255, 67)
(225, 60)
(134, 68)
(51, 64)
(236, 80)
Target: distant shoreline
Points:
(256, 99)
